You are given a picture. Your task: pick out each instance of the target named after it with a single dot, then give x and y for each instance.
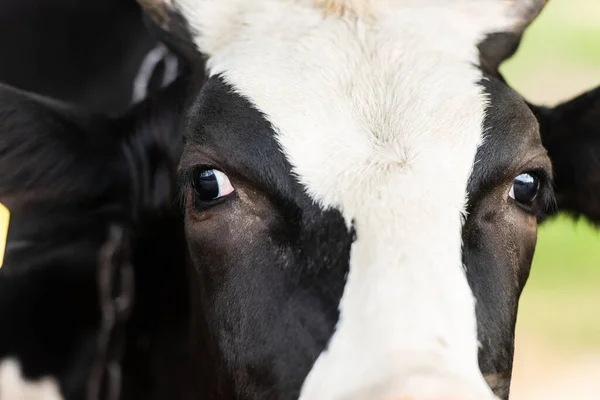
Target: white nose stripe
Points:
(381, 119)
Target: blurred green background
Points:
(558, 333)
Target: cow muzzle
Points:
(421, 381)
(428, 387)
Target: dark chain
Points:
(116, 291)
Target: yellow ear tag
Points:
(4, 221)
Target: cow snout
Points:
(421, 375)
(432, 387)
(416, 397)
(428, 387)
(433, 398)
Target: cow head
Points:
(361, 194)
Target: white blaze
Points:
(381, 119)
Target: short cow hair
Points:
(70, 178)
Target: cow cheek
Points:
(522, 239)
(511, 234)
(221, 238)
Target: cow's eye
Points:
(525, 188)
(211, 184)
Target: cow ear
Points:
(500, 46)
(49, 178)
(53, 155)
(571, 134)
(67, 177)
(35, 152)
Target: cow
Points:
(93, 209)
(62, 49)
(342, 162)
(362, 192)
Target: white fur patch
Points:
(381, 119)
(343, 8)
(14, 387)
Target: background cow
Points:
(89, 196)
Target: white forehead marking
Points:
(13, 385)
(380, 118)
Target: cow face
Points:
(274, 262)
(344, 164)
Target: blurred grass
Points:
(561, 303)
(566, 28)
(560, 53)
(559, 58)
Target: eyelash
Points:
(545, 202)
(186, 183)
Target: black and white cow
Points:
(78, 185)
(97, 54)
(344, 164)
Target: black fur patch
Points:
(271, 302)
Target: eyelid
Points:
(195, 155)
(187, 175)
(540, 164)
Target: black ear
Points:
(68, 178)
(571, 134)
(56, 178)
(500, 46)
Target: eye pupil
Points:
(206, 185)
(525, 188)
